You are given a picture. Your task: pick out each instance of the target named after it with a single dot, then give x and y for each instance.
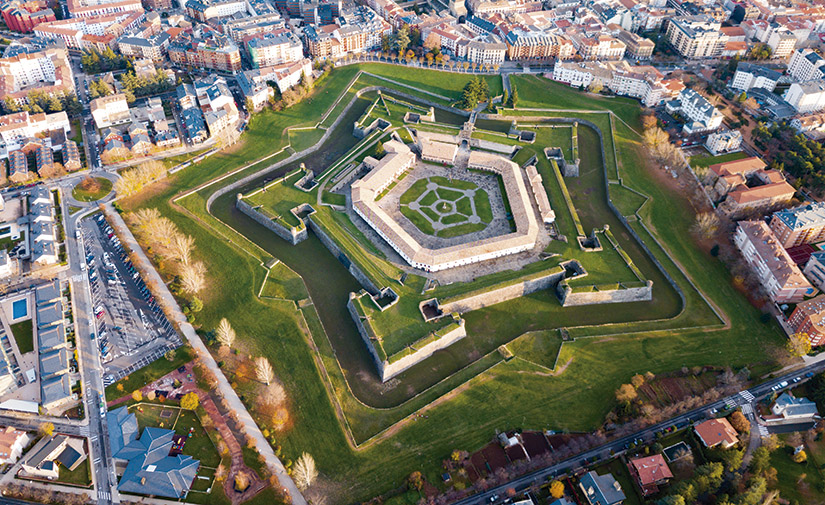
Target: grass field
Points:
(83, 195)
(149, 373)
(23, 335)
(494, 390)
(706, 161)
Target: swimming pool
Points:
(19, 308)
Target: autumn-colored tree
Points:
(241, 482)
(415, 481)
(800, 457)
(798, 344)
(137, 395)
(189, 401)
(46, 429)
(193, 277)
(626, 393)
(557, 489)
(637, 380)
(739, 422)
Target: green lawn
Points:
(22, 332)
(199, 445)
(83, 195)
(594, 367)
(706, 161)
(800, 482)
(81, 476)
(149, 373)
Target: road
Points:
(616, 447)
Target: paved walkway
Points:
(235, 404)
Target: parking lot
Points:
(130, 329)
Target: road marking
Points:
(747, 395)
(747, 409)
(763, 431)
(730, 403)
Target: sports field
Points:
(354, 453)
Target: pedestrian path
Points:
(747, 395)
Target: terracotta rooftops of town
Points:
(743, 194)
(651, 469)
(716, 431)
(744, 166)
(814, 309)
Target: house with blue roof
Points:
(149, 469)
(790, 408)
(601, 489)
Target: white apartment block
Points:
(110, 110)
(806, 65)
(782, 42)
(30, 69)
(15, 128)
(806, 96)
(487, 50)
(276, 48)
(696, 37)
(701, 115)
(749, 76)
(87, 8)
(724, 142)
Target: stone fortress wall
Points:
(570, 298)
(503, 294)
(290, 234)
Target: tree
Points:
(514, 97)
(557, 489)
(263, 370)
(415, 481)
(137, 395)
(798, 344)
(46, 429)
(224, 333)
(190, 401)
(192, 277)
(739, 422)
(402, 39)
(637, 380)
(181, 247)
(800, 457)
(649, 121)
(761, 460)
(706, 224)
(304, 471)
(595, 87)
(626, 393)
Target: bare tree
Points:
(263, 370)
(193, 277)
(181, 247)
(304, 471)
(706, 224)
(225, 333)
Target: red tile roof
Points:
(715, 432)
(651, 469)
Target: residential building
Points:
(273, 48)
(790, 408)
(746, 186)
(22, 16)
(204, 10)
(12, 442)
(809, 316)
(153, 47)
(749, 76)
(599, 46)
(806, 65)
(205, 48)
(50, 453)
(157, 5)
(724, 142)
(696, 37)
(166, 135)
(601, 489)
(801, 225)
(701, 115)
(806, 96)
(809, 124)
(44, 161)
(17, 127)
(193, 123)
(242, 27)
(150, 470)
(637, 47)
(360, 30)
(642, 82)
(772, 265)
(530, 43)
(650, 472)
(24, 69)
(716, 432)
(488, 7)
(89, 8)
(216, 103)
(18, 167)
(782, 42)
(110, 110)
(94, 32)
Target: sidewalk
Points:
(235, 404)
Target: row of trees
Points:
(133, 180)
(792, 152)
(137, 86)
(38, 101)
(95, 62)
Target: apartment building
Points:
(204, 10)
(90, 8)
(359, 31)
(205, 48)
(809, 316)
(724, 142)
(701, 115)
(813, 123)
(782, 42)
(772, 265)
(91, 32)
(696, 37)
(217, 104)
(806, 96)
(254, 82)
(642, 82)
(242, 27)
(16, 128)
(22, 16)
(526, 43)
(273, 48)
(746, 186)
(749, 76)
(637, 47)
(806, 65)
(26, 68)
(800, 225)
(154, 47)
(110, 110)
(488, 7)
